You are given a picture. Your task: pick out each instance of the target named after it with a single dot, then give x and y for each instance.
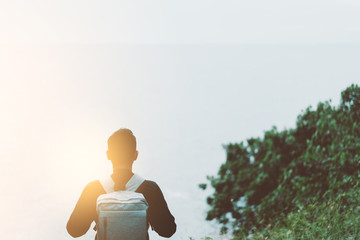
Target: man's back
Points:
(159, 216)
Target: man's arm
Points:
(160, 218)
(84, 212)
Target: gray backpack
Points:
(122, 214)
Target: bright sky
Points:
(186, 21)
(73, 72)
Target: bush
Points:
(330, 220)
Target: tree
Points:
(264, 179)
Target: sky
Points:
(186, 77)
(180, 22)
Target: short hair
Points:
(123, 140)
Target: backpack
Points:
(122, 215)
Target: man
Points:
(122, 153)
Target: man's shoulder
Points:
(94, 187)
(93, 183)
(151, 183)
(149, 186)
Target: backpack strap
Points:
(108, 184)
(133, 184)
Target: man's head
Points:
(122, 148)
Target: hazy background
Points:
(185, 76)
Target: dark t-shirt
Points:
(84, 213)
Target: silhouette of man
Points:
(122, 153)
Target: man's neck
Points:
(122, 175)
(122, 169)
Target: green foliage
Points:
(326, 220)
(264, 181)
